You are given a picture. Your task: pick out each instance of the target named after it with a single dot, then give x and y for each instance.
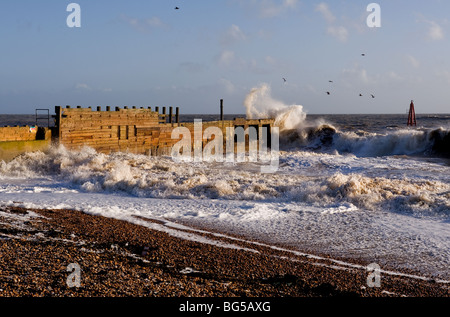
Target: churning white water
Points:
(259, 104)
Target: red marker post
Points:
(412, 115)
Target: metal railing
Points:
(40, 116)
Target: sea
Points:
(353, 187)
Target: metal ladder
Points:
(41, 116)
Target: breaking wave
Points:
(401, 142)
(259, 104)
(161, 177)
(297, 132)
(432, 142)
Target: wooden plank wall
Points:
(139, 131)
(15, 141)
(126, 130)
(24, 133)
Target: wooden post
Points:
(177, 114)
(58, 114)
(221, 109)
(170, 114)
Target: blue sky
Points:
(146, 53)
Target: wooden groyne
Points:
(20, 139)
(129, 129)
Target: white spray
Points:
(260, 104)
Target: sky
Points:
(147, 53)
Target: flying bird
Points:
(360, 95)
(330, 81)
(363, 54)
(284, 79)
(176, 8)
(373, 96)
(328, 92)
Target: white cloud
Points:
(226, 58)
(265, 34)
(270, 60)
(254, 67)
(236, 33)
(232, 35)
(143, 25)
(82, 86)
(337, 31)
(86, 87)
(356, 75)
(326, 13)
(269, 8)
(435, 31)
(414, 62)
(227, 85)
(394, 76)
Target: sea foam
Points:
(320, 180)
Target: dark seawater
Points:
(361, 134)
(18, 120)
(344, 122)
(380, 135)
(381, 122)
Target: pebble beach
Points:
(120, 259)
